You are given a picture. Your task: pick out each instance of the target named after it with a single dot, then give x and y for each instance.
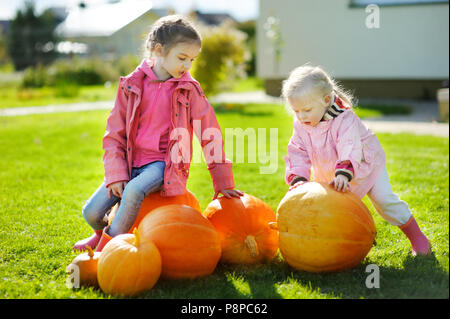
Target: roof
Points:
(102, 19)
(212, 18)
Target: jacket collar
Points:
(335, 109)
(134, 80)
(145, 69)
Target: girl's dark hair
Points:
(169, 31)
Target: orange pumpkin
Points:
(87, 267)
(188, 243)
(155, 200)
(243, 227)
(321, 229)
(128, 265)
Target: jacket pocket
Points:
(183, 100)
(367, 154)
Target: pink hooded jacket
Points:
(189, 105)
(330, 142)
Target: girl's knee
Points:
(93, 216)
(133, 194)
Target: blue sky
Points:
(239, 9)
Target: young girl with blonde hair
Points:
(330, 139)
(142, 149)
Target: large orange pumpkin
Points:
(188, 243)
(87, 267)
(155, 200)
(321, 229)
(243, 227)
(128, 265)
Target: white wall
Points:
(411, 43)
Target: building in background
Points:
(110, 29)
(405, 55)
(212, 19)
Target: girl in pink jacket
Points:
(148, 138)
(331, 140)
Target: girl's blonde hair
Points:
(308, 82)
(169, 31)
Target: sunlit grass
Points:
(19, 97)
(51, 164)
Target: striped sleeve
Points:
(345, 168)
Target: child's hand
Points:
(116, 189)
(341, 183)
(228, 193)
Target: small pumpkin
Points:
(188, 242)
(243, 227)
(322, 230)
(87, 267)
(128, 265)
(155, 200)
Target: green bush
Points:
(127, 64)
(34, 77)
(74, 71)
(222, 58)
(82, 71)
(66, 89)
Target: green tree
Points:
(31, 38)
(249, 27)
(222, 58)
(3, 54)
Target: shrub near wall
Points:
(75, 71)
(222, 58)
(83, 71)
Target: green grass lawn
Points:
(11, 96)
(50, 164)
(248, 84)
(14, 97)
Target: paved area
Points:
(75, 107)
(422, 121)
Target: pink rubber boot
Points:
(90, 241)
(420, 244)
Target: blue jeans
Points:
(144, 180)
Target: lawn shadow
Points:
(260, 278)
(219, 285)
(387, 109)
(214, 286)
(421, 277)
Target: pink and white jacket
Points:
(323, 147)
(189, 105)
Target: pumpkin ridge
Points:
(183, 224)
(138, 270)
(242, 224)
(335, 266)
(142, 261)
(358, 218)
(113, 278)
(336, 240)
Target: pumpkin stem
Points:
(251, 244)
(136, 237)
(273, 225)
(90, 251)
